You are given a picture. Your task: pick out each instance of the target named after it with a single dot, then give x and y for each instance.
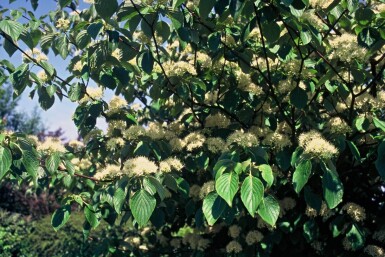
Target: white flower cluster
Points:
(51, 145)
(346, 48)
(316, 145)
(36, 54)
(355, 211)
(62, 24)
(139, 166)
(92, 94)
(241, 138)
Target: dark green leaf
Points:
(61, 216)
(147, 62)
(94, 29)
(252, 193)
(333, 188)
(205, 8)
(11, 28)
(356, 238)
(52, 162)
(380, 162)
(92, 216)
(106, 8)
(267, 174)
(142, 204)
(298, 98)
(227, 186)
(213, 207)
(354, 150)
(269, 210)
(301, 175)
(120, 194)
(5, 161)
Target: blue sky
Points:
(59, 115)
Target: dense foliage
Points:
(238, 127)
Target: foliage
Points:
(237, 127)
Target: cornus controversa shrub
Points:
(238, 128)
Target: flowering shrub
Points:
(247, 128)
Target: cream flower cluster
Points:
(320, 3)
(217, 120)
(216, 144)
(234, 247)
(62, 24)
(42, 75)
(253, 236)
(346, 48)
(170, 164)
(110, 171)
(316, 145)
(355, 211)
(179, 69)
(51, 145)
(92, 94)
(338, 126)
(241, 138)
(196, 241)
(36, 54)
(245, 83)
(139, 166)
(374, 251)
(116, 104)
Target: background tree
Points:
(260, 129)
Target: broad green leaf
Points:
(368, 37)
(92, 216)
(147, 62)
(60, 217)
(94, 29)
(298, 98)
(9, 47)
(158, 187)
(333, 188)
(11, 28)
(227, 186)
(64, 3)
(379, 123)
(252, 193)
(269, 210)
(301, 175)
(305, 36)
(20, 78)
(213, 207)
(31, 163)
(205, 8)
(45, 100)
(5, 161)
(380, 162)
(120, 194)
(52, 162)
(49, 69)
(355, 237)
(267, 174)
(142, 204)
(77, 91)
(106, 8)
(354, 150)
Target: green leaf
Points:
(20, 79)
(147, 62)
(76, 92)
(227, 186)
(267, 174)
(158, 186)
(52, 162)
(142, 205)
(64, 3)
(31, 163)
(11, 28)
(269, 210)
(213, 207)
(379, 123)
(301, 175)
(60, 217)
(271, 31)
(45, 100)
(120, 194)
(9, 47)
(205, 8)
(368, 37)
(353, 148)
(94, 29)
(305, 36)
(5, 161)
(380, 162)
(106, 8)
(356, 238)
(49, 69)
(252, 193)
(92, 216)
(333, 188)
(298, 98)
